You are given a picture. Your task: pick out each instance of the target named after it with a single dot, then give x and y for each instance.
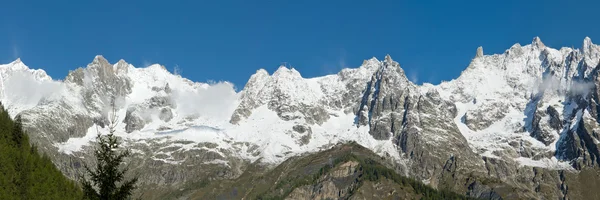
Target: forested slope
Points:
(24, 173)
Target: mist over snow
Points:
(581, 88)
(216, 100)
(24, 89)
(561, 86)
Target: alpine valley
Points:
(519, 125)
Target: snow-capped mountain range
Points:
(532, 106)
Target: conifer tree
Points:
(107, 180)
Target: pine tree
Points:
(105, 178)
(18, 135)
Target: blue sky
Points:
(230, 40)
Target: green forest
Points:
(24, 173)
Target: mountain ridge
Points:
(504, 116)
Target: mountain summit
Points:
(527, 114)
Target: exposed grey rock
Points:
(537, 42)
(485, 115)
(101, 81)
(163, 128)
(55, 124)
(248, 94)
(133, 120)
(579, 145)
(479, 52)
(539, 132)
(554, 121)
(165, 114)
(305, 133)
(159, 101)
(167, 88)
(482, 192)
(383, 101)
(301, 128)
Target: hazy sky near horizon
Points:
(229, 40)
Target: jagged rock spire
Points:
(479, 52)
(99, 58)
(538, 43)
(121, 66)
(388, 58)
(587, 44)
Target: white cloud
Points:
(332, 67)
(15, 51)
(177, 70)
(553, 84)
(414, 77)
(21, 88)
(342, 62)
(581, 87)
(217, 100)
(146, 63)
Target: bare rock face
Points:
(479, 52)
(485, 115)
(57, 121)
(138, 115)
(328, 188)
(165, 114)
(579, 142)
(159, 101)
(248, 96)
(554, 118)
(384, 101)
(295, 98)
(423, 132)
(301, 134)
(101, 81)
(580, 146)
(542, 130)
(133, 120)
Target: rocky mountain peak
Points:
(17, 64)
(388, 58)
(284, 72)
(101, 80)
(17, 61)
(256, 80)
(101, 66)
(587, 43)
(99, 59)
(537, 42)
(370, 65)
(158, 68)
(591, 53)
(18, 67)
(121, 67)
(479, 52)
(391, 68)
(260, 73)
